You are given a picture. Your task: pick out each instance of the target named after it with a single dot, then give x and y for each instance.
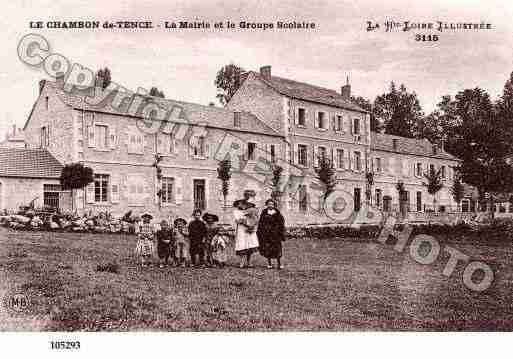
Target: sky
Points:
(183, 63)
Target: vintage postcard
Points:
(247, 166)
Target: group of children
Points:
(197, 243)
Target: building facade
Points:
(168, 165)
(321, 122)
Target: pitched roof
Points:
(411, 146)
(209, 116)
(307, 92)
(29, 163)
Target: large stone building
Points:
(171, 168)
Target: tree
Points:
(227, 82)
(224, 174)
(75, 176)
(155, 92)
(375, 125)
(276, 191)
(103, 76)
(434, 184)
(457, 191)
(326, 175)
(399, 111)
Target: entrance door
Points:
(199, 194)
(357, 199)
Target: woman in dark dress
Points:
(270, 233)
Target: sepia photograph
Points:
(242, 166)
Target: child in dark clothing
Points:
(212, 230)
(197, 234)
(165, 243)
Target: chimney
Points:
(394, 143)
(41, 85)
(345, 90)
(265, 72)
(59, 79)
(14, 130)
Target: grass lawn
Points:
(326, 285)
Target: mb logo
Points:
(17, 302)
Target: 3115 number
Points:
(429, 37)
(65, 345)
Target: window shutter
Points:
(90, 135)
(347, 156)
(315, 153)
(172, 142)
(351, 129)
(208, 148)
(267, 150)
(406, 166)
(295, 114)
(113, 138)
(391, 166)
(332, 157)
(179, 190)
(90, 192)
(161, 143)
(114, 189)
(316, 118)
(333, 122)
(295, 154)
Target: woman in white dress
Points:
(245, 216)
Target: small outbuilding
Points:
(31, 176)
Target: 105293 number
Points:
(64, 345)
(423, 37)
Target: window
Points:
(199, 196)
(301, 117)
(321, 152)
(358, 161)
(339, 123)
(168, 185)
(431, 168)
(45, 137)
(101, 137)
(442, 172)
(356, 126)
(302, 155)
(236, 119)
(199, 147)
(419, 201)
(321, 119)
(136, 143)
(378, 165)
(303, 198)
(101, 187)
(340, 158)
(251, 151)
(51, 193)
(378, 198)
(418, 169)
(272, 150)
(46, 103)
